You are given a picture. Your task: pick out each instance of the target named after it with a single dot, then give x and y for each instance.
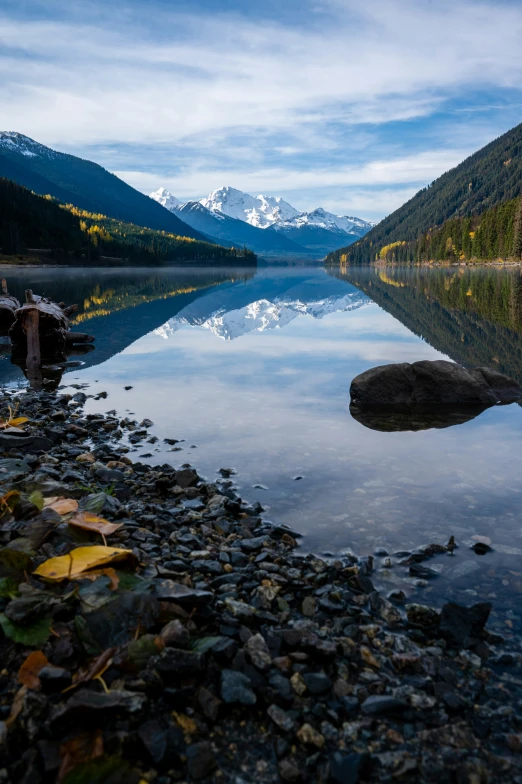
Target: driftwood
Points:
(43, 317)
(40, 335)
(8, 306)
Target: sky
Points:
(353, 106)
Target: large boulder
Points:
(423, 383)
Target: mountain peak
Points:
(165, 198)
(260, 211)
(24, 145)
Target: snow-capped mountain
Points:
(263, 315)
(166, 199)
(314, 233)
(327, 220)
(261, 211)
(12, 141)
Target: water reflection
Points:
(254, 373)
(394, 420)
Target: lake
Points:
(251, 370)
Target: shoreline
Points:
(212, 651)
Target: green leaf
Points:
(8, 588)
(37, 499)
(204, 644)
(103, 770)
(94, 503)
(14, 563)
(35, 635)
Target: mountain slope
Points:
(237, 232)
(68, 234)
(82, 183)
(491, 176)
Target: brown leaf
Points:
(80, 750)
(91, 522)
(94, 670)
(17, 705)
(109, 572)
(61, 505)
(28, 672)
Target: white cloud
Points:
(264, 95)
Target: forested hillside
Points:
(36, 224)
(83, 183)
(478, 197)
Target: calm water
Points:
(253, 370)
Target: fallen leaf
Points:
(18, 421)
(94, 670)
(109, 572)
(28, 672)
(88, 521)
(17, 705)
(8, 501)
(36, 634)
(80, 560)
(61, 505)
(187, 724)
(80, 750)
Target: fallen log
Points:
(8, 306)
(53, 325)
(78, 337)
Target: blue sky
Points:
(347, 105)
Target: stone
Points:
(317, 682)
(463, 626)
(53, 679)
(308, 606)
(348, 768)
(177, 661)
(186, 477)
(168, 590)
(174, 634)
(422, 616)
(258, 653)
(201, 760)
(236, 688)
(309, 736)
(427, 382)
(24, 443)
(252, 545)
(379, 704)
(423, 572)
(280, 718)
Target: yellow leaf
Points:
(91, 522)
(61, 505)
(18, 421)
(187, 724)
(80, 560)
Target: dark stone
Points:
(236, 688)
(200, 760)
(379, 704)
(186, 477)
(317, 682)
(168, 590)
(251, 545)
(209, 703)
(154, 738)
(350, 705)
(24, 443)
(423, 382)
(348, 768)
(423, 572)
(54, 678)
(463, 626)
(177, 661)
(87, 708)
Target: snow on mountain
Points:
(17, 142)
(165, 198)
(260, 211)
(263, 315)
(327, 220)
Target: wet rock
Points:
(168, 590)
(177, 661)
(175, 635)
(236, 688)
(379, 704)
(309, 736)
(423, 572)
(463, 626)
(87, 707)
(186, 477)
(54, 679)
(464, 569)
(423, 617)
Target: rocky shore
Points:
(153, 628)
